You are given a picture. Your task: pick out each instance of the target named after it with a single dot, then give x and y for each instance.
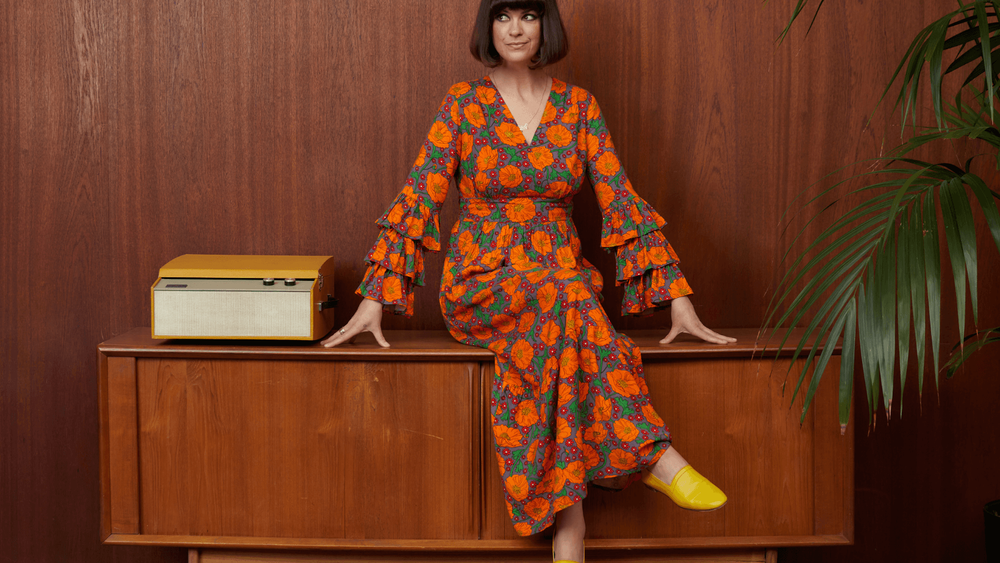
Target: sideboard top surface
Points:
(411, 345)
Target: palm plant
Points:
(873, 277)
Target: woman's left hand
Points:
(684, 319)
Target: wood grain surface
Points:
(320, 451)
(308, 449)
(407, 345)
(133, 131)
(593, 555)
(729, 419)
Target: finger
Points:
(377, 331)
(674, 331)
(718, 338)
(340, 336)
(727, 339)
(331, 340)
(335, 339)
(708, 336)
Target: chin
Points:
(520, 59)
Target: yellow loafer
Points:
(689, 490)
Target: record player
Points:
(244, 297)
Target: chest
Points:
(499, 161)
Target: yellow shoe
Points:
(689, 490)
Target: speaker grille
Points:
(232, 314)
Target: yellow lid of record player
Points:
(237, 266)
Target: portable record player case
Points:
(244, 297)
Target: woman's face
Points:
(517, 35)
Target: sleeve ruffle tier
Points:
(410, 226)
(396, 262)
(646, 264)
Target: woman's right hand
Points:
(368, 318)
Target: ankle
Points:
(571, 529)
(567, 544)
(667, 467)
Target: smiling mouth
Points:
(516, 45)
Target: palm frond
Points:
(873, 277)
(879, 266)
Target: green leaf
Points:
(954, 241)
(796, 272)
(917, 290)
(963, 37)
(824, 358)
(836, 302)
(795, 15)
(984, 39)
(868, 358)
(980, 68)
(987, 203)
(967, 231)
(820, 281)
(847, 365)
(932, 269)
(885, 283)
(911, 78)
(934, 53)
(903, 305)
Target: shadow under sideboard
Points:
(271, 451)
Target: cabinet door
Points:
(308, 449)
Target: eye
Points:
(503, 17)
(530, 16)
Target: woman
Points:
(569, 400)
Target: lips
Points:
(517, 45)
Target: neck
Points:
(519, 77)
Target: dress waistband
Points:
(518, 209)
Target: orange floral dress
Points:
(569, 402)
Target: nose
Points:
(515, 28)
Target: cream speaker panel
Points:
(231, 308)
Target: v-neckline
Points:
(506, 110)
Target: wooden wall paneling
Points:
(52, 222)
(123, 443)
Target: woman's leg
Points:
(668, 465)
(570, 530)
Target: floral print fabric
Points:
(569, 401)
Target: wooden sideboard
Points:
(289, 452)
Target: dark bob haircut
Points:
(554, 43)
